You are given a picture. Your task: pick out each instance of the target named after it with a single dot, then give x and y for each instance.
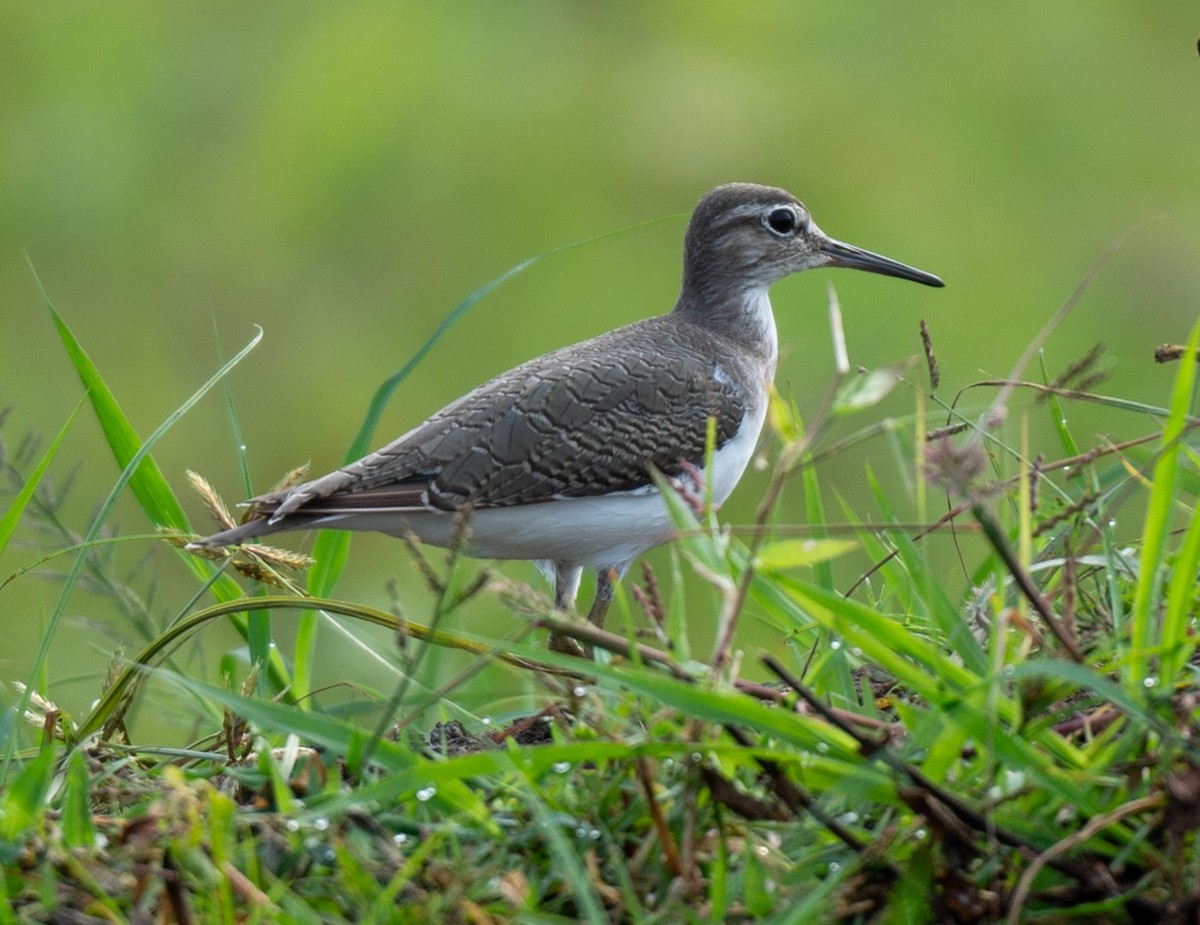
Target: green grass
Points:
(1005, 736)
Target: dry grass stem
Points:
(931, 363)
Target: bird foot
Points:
(568, 646)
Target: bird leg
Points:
(566, 584)
(605, 579)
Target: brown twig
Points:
(744, 804)
(1047, 857)
(867, 746)
(591, 635)
(999, 543)
(800, 802)
(930, 796)
(670, 849)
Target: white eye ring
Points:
(783, 221)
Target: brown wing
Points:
(585, 420)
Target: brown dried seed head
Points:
(955, 468)
(279, 558)
(935, 373)
(292, 478)
(210, 497)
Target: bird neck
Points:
(741, 316)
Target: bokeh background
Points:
(343, 175)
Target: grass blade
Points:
(1157, 526)
(77, 827)
(144, 478)
(23, 804)
(8, 523)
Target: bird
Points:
(555, 460)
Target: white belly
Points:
(609, 531)
(606, 531)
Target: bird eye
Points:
(783, 221)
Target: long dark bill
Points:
(847, 255)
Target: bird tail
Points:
(252, 529)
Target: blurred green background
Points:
(344, 174)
